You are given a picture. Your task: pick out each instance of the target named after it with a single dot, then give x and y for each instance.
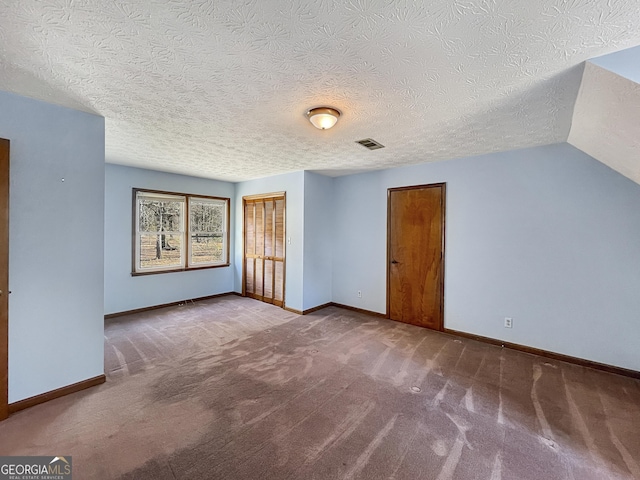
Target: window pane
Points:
(166, 238)
(207, 216)
(159, 250)
(207, 248)
(159, 215)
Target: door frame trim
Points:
(443, 199)
(4, 283)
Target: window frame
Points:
(186, 233)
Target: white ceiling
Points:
(219, 89)
(606, 120)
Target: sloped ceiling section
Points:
(606, 120)
(219, 88)
(625, 63)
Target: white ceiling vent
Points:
(370, 144)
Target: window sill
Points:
(189, 269)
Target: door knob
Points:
(394, 262)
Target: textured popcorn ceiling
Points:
(606, 121)
(219, 88)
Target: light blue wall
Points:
(548, 236)
(625, 63)
(318, 239)
(293, 185)
(55, 245)
(123, 292)
(359, 248)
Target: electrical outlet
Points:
(359, 293)
(508, 322)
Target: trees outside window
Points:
(176, 232)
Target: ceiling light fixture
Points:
(323, 117)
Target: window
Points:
(177, 232)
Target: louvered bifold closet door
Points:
(278, 268)
(249, 248)
(264, 248)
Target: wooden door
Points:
(415, 254)
(264, 247)
(4, 279)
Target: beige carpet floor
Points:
(232, 388)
